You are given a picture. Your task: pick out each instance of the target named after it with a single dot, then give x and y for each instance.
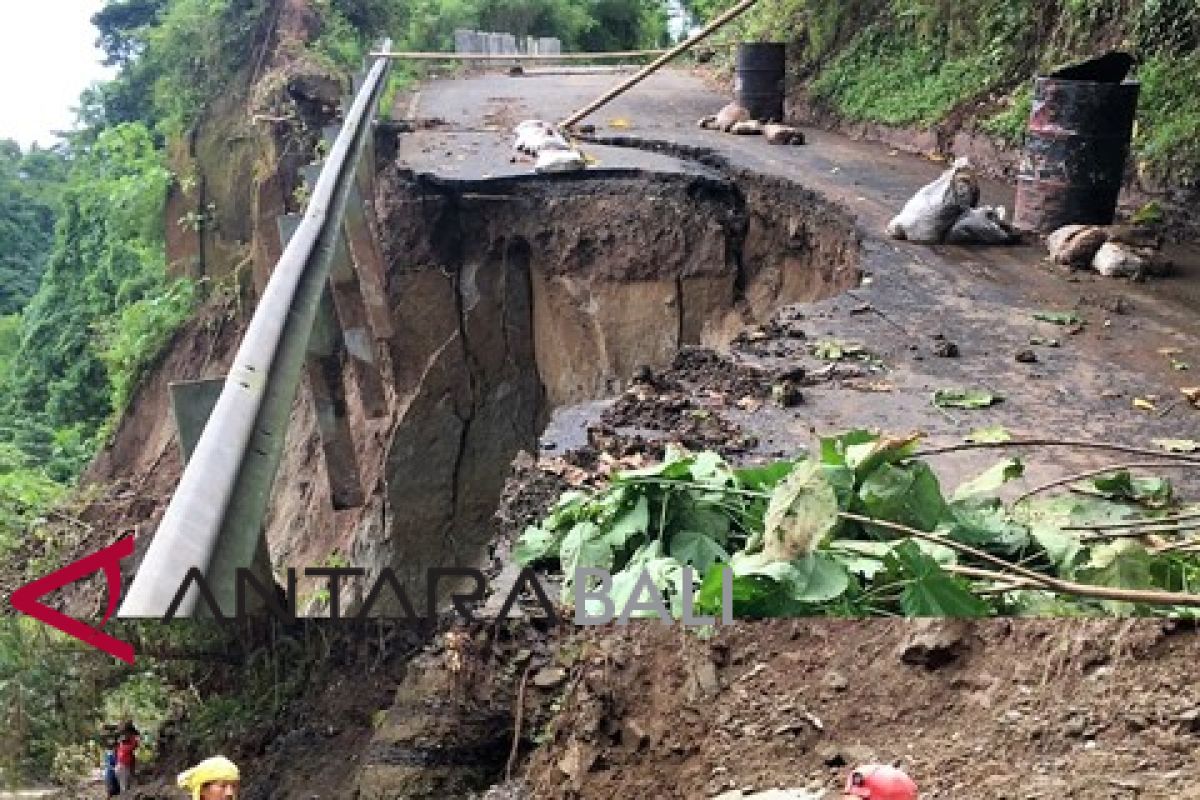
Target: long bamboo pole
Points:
(650, 69)
(420, 56)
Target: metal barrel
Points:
(759, 81)
(1075, 151)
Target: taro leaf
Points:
(709, 468)
(907, 494)
(584, 546)
(803, 510)
(754, 596)
(965, 398)
(537, 544)
(985, 523)
(763, 477)
(1178, 445)
(627, 530)
(677, 465)
(860, 557)
(992, 435)
(843, 481)
(570, 508)
(647, 560)
(1058, 317)
(810, 580)
(697, 512)
(835, 448)
(1123, 487)
(865, 458)
(1047, 517)
(992, 479)
(698, 550)
(1123, 564)
(932, 591)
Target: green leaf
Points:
(569, 509)
(992, 479)
(834, 448)
(765, 477)
(1059, 317)
(865, 458)
(754, 596)
(985, 523)
(908, 494)
(965, 398)
(803, 510)
(585, 547)
(1123, 487)
(710, 468)
(698, 550)
(992, 435)
(933, 592)
(537, 544)
(863, 558)
(810, 580)
(631, 526)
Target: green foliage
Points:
(30, 185)
(789, 537)
(106, 275)
(1168, 135)
(1010, 124)
(920, 60)
(138, 333)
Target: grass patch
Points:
(1167, 142)
(1010, 124)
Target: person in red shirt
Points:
(127, 746)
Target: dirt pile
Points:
(1097, 710)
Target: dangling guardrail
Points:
(214, 520)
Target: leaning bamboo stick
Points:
(650, 69)
(421, 56)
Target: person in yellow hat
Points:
(215, 778)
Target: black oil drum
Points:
(1075, 151)
(759, 83)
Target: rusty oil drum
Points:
(759, 80)
(1075, 152)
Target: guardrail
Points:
(214, 520)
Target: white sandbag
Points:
(984, 225)
(1117, 261)
(750, 127)
(534, 136)
(930, 214)
(559, 161)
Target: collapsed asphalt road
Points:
(914, 301)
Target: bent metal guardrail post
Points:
(214, 519)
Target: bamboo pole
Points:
(419, 56)
(650, 69)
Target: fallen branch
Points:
(1135, 533)
(1076, 443)
(1136, 523)
(520, 715)
(1143, 596)
(1091, 473)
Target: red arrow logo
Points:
(27, 599)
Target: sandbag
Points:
(984, 225)
(559, 161)
(750, 127)
(534, 136)
(1118, 261)
(930, 214)
(1076, 245)
(783, 134)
